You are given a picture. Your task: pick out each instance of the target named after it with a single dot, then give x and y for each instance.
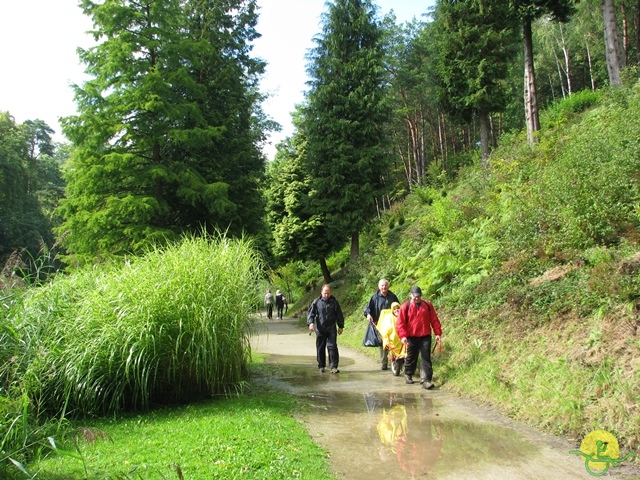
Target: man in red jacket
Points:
(416, 320)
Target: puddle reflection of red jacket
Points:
(417, 320)
(418, 457)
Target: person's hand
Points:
(339, 331)
(437, 338)
(311, 327)
(404, 340)
(370, 318)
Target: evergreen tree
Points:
(412, 97)
(44, 160)
(168, 128)
(299, 232)
(528, 11)
(23, 226)
(476, 41)
(344, 121)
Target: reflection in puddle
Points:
(410, 432)
(375, 426)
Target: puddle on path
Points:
(375, 426)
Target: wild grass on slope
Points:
(534, 268)
(569, 377)
(250, 437)
(170, 326)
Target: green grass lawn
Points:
(253, 436)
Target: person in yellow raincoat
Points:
(390, 340)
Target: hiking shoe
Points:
(408, 380)
(335, 370)
(321, 369)
(385, 367)
(428, 385)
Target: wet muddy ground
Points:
(373, 425)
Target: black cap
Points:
(415, 290)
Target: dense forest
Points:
(487, 153)
(169, 132)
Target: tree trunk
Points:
(325, 271)
(593, 80)
(355, 246)
(530, 95)
(625, 33)
(567, 62)
(441, 139)
(484, 136)
(406, 161)
(613, 48)
(637, 29)
(560, 77)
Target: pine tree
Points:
(167, 133)
(475, 44)
(528, 11)
(24, 152)
(299, 232)
(344, 121)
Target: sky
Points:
(39, 63)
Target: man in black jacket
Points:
(379, 301)
(326, 319)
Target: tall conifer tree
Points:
(476, 41)
(167, 133)
(528, 11)
(344, 120)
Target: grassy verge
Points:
(253, 436)
(561, 377)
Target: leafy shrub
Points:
(425, 194)
(566, 108)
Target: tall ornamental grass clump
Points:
(167, 327)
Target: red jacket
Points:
(417, 320)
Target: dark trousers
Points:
(269, 311)
(280, 308)
(327, 341)
(422, 346)
(384, 356)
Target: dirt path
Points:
(373, 425)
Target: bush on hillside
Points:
(575, 192)
(562, 111)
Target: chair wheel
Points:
(397, 366)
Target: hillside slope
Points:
(533, 267)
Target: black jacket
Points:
(377, 303)
(326, 314)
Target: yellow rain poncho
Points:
(387, 328)
(393, 425)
